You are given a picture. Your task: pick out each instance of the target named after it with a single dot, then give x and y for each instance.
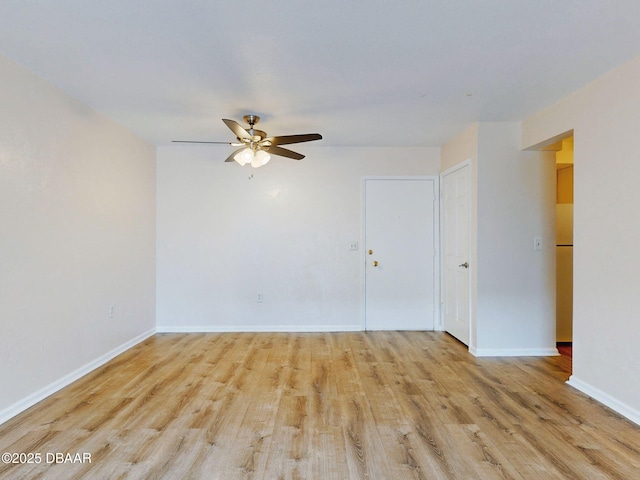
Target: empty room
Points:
(335, 240)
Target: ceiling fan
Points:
(255, 147)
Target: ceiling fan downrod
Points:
(254, 142)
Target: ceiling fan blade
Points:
(236, 128)
(230, 157)
(197, 141)
(288, 139)
(283, 152)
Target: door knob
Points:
(370, 252)
(375, 263)
(465, 265)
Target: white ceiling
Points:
(375, 73)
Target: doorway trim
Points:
(436, 242)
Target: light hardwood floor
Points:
(375, 405)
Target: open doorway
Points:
(562, 148)
(564, 247)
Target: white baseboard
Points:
(514, 352)
(257, 328)
(59, 384)
(606, 399)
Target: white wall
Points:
(77, 221)
(605, 118)
(512, 286)
(516, 285)
(223, 238)
(463, 147)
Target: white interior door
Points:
(401, 232)
(455, 187)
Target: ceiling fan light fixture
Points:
(260, 158)
(244, 156)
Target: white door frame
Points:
(448, 171)
(436, 241)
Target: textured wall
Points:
(223, 238)
(77, 221)
(605, 119)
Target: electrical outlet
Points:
(259, 298)
(353, 246)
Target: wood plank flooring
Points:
(365, 405)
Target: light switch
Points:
(537, 243)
